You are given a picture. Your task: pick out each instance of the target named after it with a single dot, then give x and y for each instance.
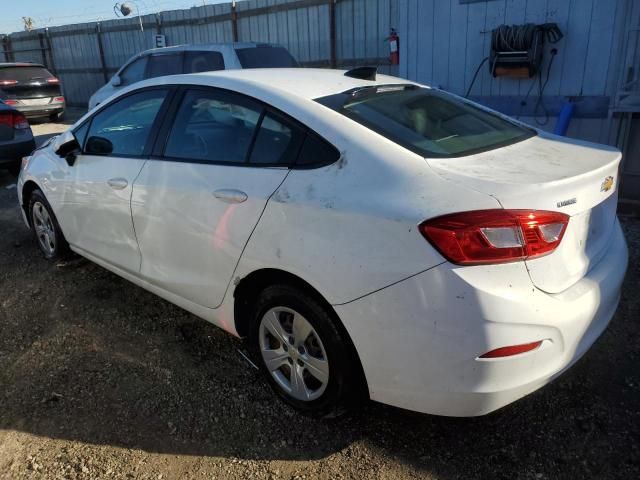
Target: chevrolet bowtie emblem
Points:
(606, 184)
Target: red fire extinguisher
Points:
(394, 47)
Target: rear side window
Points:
(277, 143)
(265, 57)
(134, 72)
(202, 62)
(160, 65)
(213, 126)
(24, 74)
(316, 151)
(428, 122)
(123, 127)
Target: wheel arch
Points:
(250, 287)
(27, 189)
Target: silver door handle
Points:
(118, 183)
(229, 195)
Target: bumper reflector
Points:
(511, 350)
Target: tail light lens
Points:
(495, 236)
(15, 120)
(10, 102)
(4, 83)
(19, 121)
(58, 99)
(53, 80)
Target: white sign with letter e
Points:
(159, 41)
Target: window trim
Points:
(164, 131)
(146, 152)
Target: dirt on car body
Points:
(100, 379)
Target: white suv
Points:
(158, 62)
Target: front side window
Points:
(134, 72)
(123, 127)
(202, 62)
(213, 126)
(428, 122)
(165, 64)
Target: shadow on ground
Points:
(86, 356)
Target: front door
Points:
(95, 211)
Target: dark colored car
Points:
(16, 138)
(31, 89)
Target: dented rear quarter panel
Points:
(352, 226)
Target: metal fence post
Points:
(234, 21)
(52, 62)
(332, 34)
(6, 46)
(103, 64)
(43, 50)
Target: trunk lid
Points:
(552, 173)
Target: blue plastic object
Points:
(562, 125)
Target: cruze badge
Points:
(606, 184)
(564, 203)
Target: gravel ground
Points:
(100, 379)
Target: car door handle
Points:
(118, 183)
(229, 195)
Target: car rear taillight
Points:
(15, 120)
(4, 83)
(495, 236)
(53, 80)
(58, 99)
(19, 121)
(10, 102)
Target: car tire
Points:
(46, 230)
(324, 360)
(56, 117)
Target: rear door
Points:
(95, 211)
(196, 202)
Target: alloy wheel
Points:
(43, 225)
(293, 353)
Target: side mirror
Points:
(68, 148)
(99, 146)
(116, 81)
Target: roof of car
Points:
(19, 64)
(307, 83)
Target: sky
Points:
(48, 13)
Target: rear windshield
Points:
(428, 122)
(265, 57)
(24, 74)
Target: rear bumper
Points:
(419, 340)
(40, 110)
(12, 152)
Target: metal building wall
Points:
(442, 42)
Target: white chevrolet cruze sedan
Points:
(369, 236)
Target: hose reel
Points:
(516, 50)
